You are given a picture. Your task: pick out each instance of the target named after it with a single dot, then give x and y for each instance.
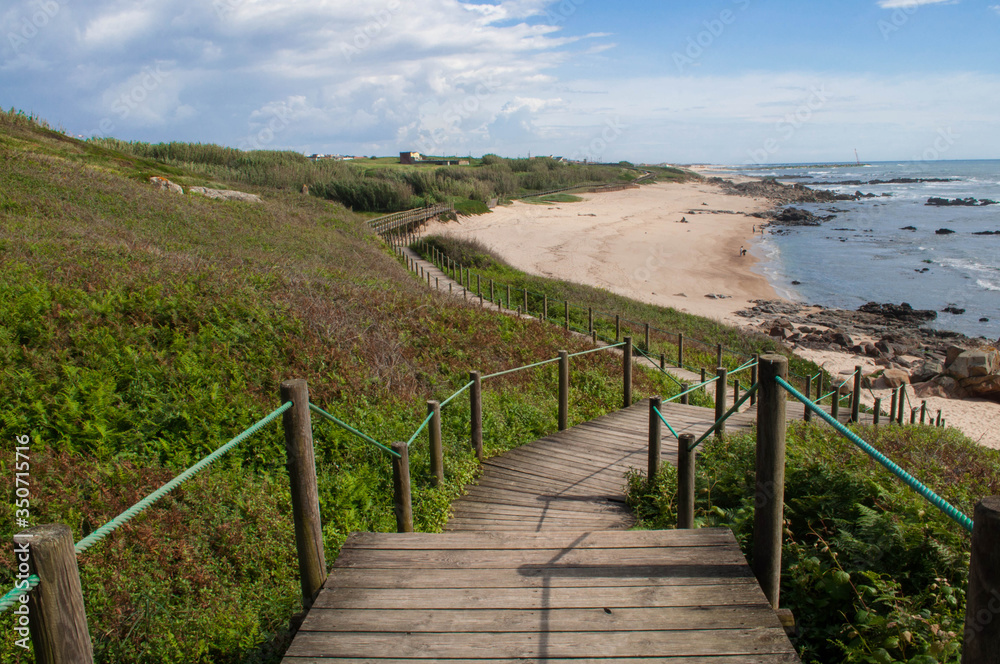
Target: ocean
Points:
(867, 254)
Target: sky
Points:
(649, 81)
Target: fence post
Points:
(770, 482)
(807, 415)
(508, 297)
(753, 378)
(704, 375)
(401, 497)
(685, 400)
(655, 440)
(736, 392)
(627, 371)
(526, 302)
(590, 320)
(301, 463)
(545, 308)
(493, 294)
(685, 481)
(856, 396)
(892, 406)
(476, 412)
(938, 423)
(718, 355)
(618, 328)
(913, 415)
(566, 317)
(923, 412)
(680, 352)
(646, 348)
(479, 288)
(877, 415)
(835, 406)
(57, 618)
(982, 607)
(663, 362)
(434, 440)
(902, 403)
(563, 390)
(720, 399)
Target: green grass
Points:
(553, 198)
(871, 571)
(140, 330)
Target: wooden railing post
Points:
(590, 320)
(835, 406)
(718, 355)
(402, 498)
(923, 412)
(301, 463)
(434, 441)
(618, 328)
(646, 340)
(627, 371)
(563, 390)
(736, 392)
(55, 613)
(663, 362)
(982, 607)
(808, 414)
(526, 312)
(753, 378)
(476, 412)
(902, 404)
(892, 406)
(877, 412)
(720, 399)
(856, 396)
(566, 316)
(769, 493)
(685, 481)
(655, 440)
(680, 351)
(686, 399)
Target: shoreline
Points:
(633, 243)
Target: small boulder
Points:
(983, 387)
(929, 389)
(226, 194)
(926, 371)
(952, 354)
(975, 363)
(891, 379)
(166, 185)
(841, 338)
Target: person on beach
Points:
(743, 251)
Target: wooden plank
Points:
(554, 644)
(515, 472)
(768, 658)
(662, 539)
(670, 619)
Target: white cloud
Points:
(898, 4)
(995, 8)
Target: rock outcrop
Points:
(166, 185)
(225, 194)
(967, 202)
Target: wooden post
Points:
(835, 406)
(686, 399)
(493, 294)
(479, 288)
(525, 301)
(402, 499)
(685, 481)
(563, 390)
(892, 406)
(770, 480)
(566, 316)
(508, 297)
(627, 371)
(718, 355)
(434, 440)
(913, 416)
(55, 613)
(736, 391)
(704, 375)
(938, 423)
(807, 414)
(301, 463)
(720, 399)
(856, 396)
(877, 414)
(647, 338)
(590, 320)
(476, 412)
(545, 308)
(618, 328)
(923, 412)
(901, 405)
(753, 379)
(680, 352)
(593, 337)
(655, 440)
(982, 607)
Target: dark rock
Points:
(901, 312)
(987, 233)
(984, 320)
(925, 371)
(967, 202)
(796, 283)
(953, 310)
(908, 228)
(944, 231)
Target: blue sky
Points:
(723, 81)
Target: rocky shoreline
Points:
(935, 362)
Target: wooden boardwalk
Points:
(537, 566)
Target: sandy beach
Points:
(674, 245)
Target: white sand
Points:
(630, 242)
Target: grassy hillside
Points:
(140, 330)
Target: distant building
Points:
(409, 157)
(334, 157)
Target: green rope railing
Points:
(597, 350)
(664, 420)
(347, 427)
(12, 597)
(530, 366)
(148, 501)
(732, 411)
(420, 429)
(691, 389)
(658, 368)
(936, 500)
(457, 394)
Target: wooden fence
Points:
(391, 222)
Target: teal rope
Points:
(725, 417)
(343, 425)
(597, 350)
(657, 367)
(693, 389)
(746, 366)
(530, 366)
(456, 394)
(12, 597)
(422, 427)
(664, 420)
(148, 501)
(908, 479)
